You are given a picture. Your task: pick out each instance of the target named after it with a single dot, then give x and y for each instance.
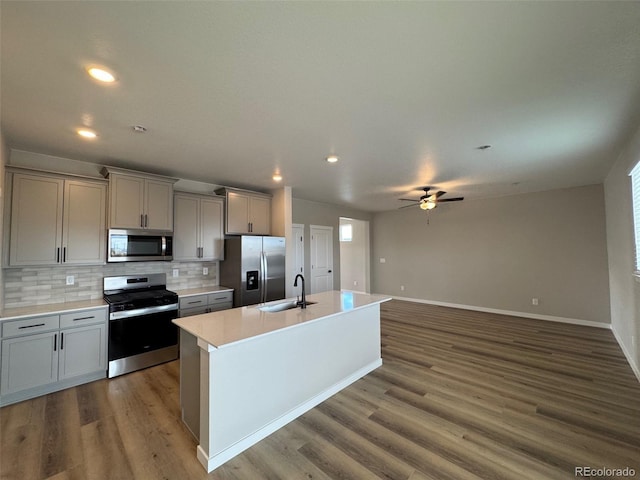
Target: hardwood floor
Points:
(461, 395)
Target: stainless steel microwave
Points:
(139, 246)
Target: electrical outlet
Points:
(534, 301)
(70, 280)
(402, 288)
(176, 272)
(355, 283)
(383, 260)
(205, 270)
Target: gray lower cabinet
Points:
(190, 354)
(43, 354)
(205, 303)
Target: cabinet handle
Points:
(62, 341)
(146, 220)
(31, 326)
(195, 301)
(64, 254)
(83, 318)
(58, 255)
(220, 298)
(141, 220)
(55, 342)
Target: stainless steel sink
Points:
(280, 307)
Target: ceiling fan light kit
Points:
(430, 201)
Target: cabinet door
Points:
(159, 205)
(29, 361)
(83, 350)
(211, 230)
(260, 215)
(185, 230)
(83, 232)
(126, 201)
(237, 213)
(36, 220)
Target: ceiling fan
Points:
(429, 201)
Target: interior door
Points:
(298, 248)
(321, 258)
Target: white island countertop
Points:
(226, 327)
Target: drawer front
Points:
(220, 297)
(83, 317)
(188, 312)
(27, 326)
(193, 301)
(220, 306)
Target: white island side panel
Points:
(257, 386)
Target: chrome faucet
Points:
(301, 303)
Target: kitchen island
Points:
(261, 369)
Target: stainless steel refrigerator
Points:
(254, 267)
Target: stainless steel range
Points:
(141, 333)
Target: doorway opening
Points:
(354, 255)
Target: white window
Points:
(346, 232)
(635, 192)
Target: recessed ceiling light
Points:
(277, 177)
(101, 74)
(483, 147)
(332, 158)
(139, 128)
(86, 133)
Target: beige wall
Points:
(313, 213)
(500, 253)
(625, 288)
(354, 257)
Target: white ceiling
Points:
(403, 92)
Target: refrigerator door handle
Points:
(264, 276)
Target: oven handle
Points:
(138, 312)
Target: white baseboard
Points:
(627, 354)
(550, 318)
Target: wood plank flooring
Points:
(461, 395)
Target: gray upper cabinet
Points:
(56, 220)
(198, 227)
(247, 212)
(139, 200)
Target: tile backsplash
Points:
(44, 285)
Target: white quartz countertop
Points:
(237, 324)
(51, 309)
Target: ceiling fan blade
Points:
(407, 206)
(456, 199)
(408, 199)
(440, 193)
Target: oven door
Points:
(142, 341)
